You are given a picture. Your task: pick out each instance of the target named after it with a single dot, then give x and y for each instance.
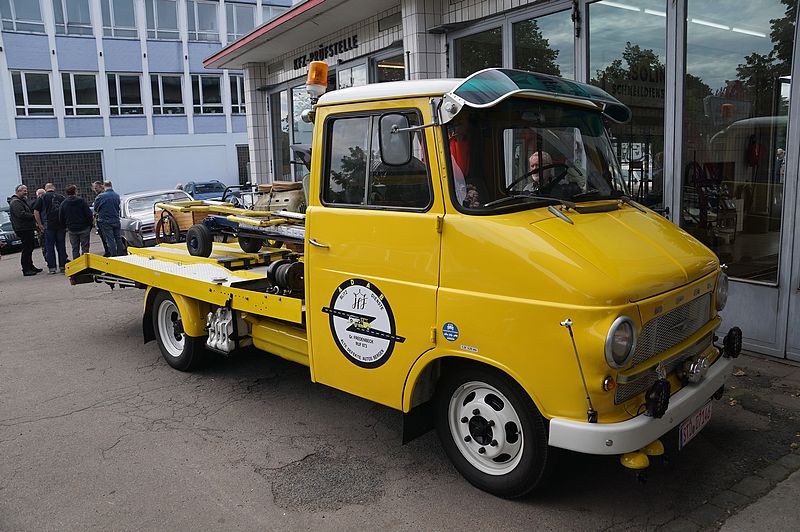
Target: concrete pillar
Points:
(424, 52)
(258, 134)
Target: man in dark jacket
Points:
(24, 224)
(74, 214)
(45, 209)
(107, 209)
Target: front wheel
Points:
(492, 432)
(181, 351)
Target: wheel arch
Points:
(194, 314)
(424, 375)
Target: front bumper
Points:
(633, 434)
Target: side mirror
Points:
(394, 139)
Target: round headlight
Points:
(620, 342)
(722, 291)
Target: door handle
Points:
(318, 244)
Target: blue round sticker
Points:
(450, 332)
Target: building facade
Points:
(713, 143)
(116, 89)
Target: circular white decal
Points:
(362, 323)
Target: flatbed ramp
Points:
(228, 278)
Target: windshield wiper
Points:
(546, 200)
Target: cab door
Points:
(372, 254)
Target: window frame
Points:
(239, 108)
(14, 20)
(26, 106)
(232, 22)
(112, 29)
(66, 25)
(155, 33)
(193, 35)
(200, 108)
(117, 87)
(271, 7)
(374, 117)
(75, 106)
(161, 105)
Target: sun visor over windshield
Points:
(491, 86)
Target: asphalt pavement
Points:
(97, 432)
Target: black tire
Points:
(199, 240)
(515, 459)
(181, 351)
(250, 244)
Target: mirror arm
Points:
(396, 129)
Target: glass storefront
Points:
(545, 44)
(280, 136)
(478, 51)
(630, 65)
(738, 63)
(390, 69)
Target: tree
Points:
(532, 51)
(759, 72)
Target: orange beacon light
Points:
(317, 80)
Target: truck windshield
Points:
(525, 153)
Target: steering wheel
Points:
(558, 176)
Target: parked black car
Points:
(7, 234)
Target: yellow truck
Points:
(469, 256)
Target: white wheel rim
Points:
(168, 315)
(491, 440)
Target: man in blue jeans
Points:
(107, 209)
(45, 210)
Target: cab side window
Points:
(357, 176)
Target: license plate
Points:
(16, 242)
(693, 424)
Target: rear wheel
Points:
(199, 240)
(181, 351)
(492, 431)
(250, 244)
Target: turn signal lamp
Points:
(317, 80)
(609, 384)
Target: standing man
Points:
(106, 207)
(46, 212)
(24, 223)
(98, 189)
(74, 214)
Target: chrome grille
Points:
(674, 327)
(625, 391)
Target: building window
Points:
(72, 17)
(279, 104)
(167, 94)
(119, 18)
(32, 93)
(237, 94)
(202, 20)
(80, 94)
(478, 51)
(21, 15)
(207, 95)
(241, 19)
(162, 19)
(125, 94)
(545, 44)
(270, 12)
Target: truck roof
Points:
(392, 89)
